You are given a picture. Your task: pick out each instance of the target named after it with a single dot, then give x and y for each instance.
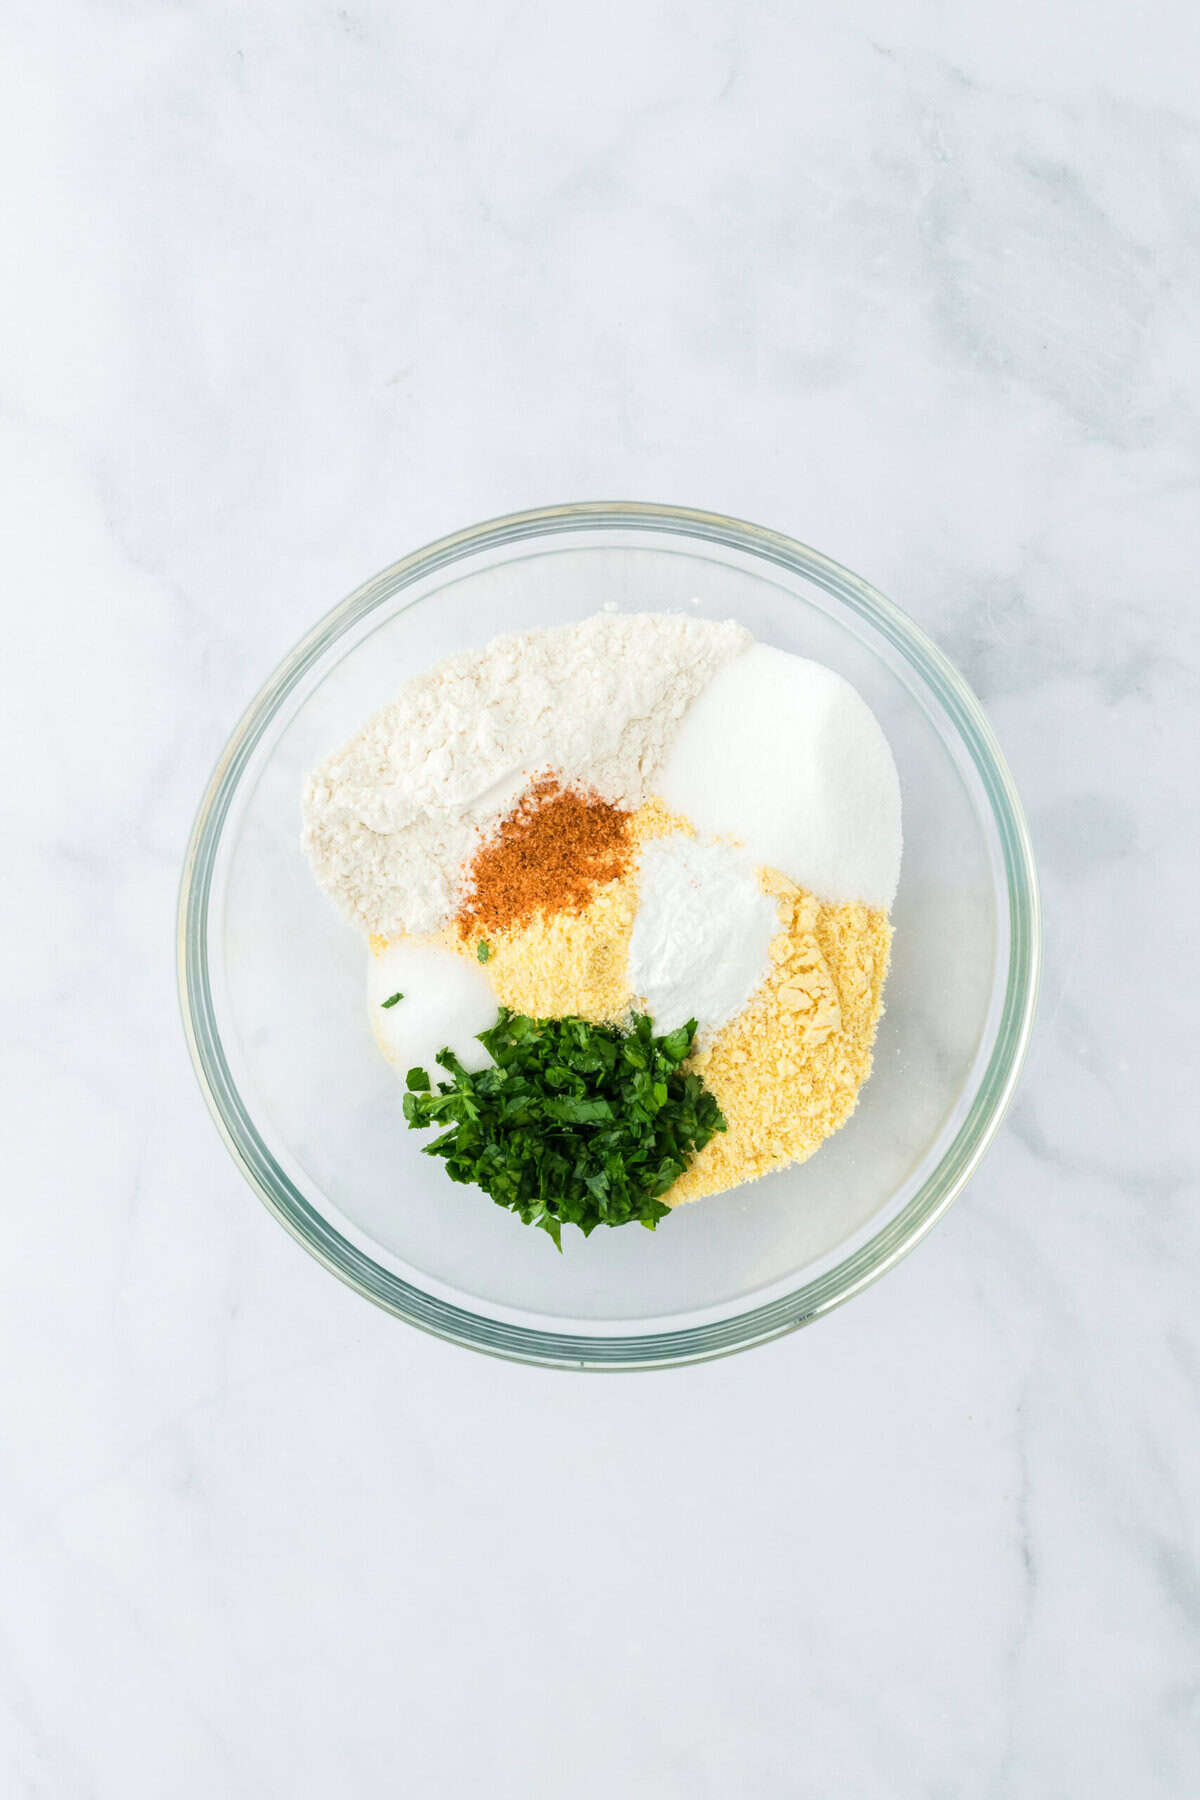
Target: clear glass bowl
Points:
(272, 982)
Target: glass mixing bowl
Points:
(272, 981)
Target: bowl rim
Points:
(631, 1350)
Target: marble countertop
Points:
(294, 289)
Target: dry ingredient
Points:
(393, 818)
(787, 757)
(700, 939)
(578, 963)
(445, 1000)
(786, 1072)
(549, 855)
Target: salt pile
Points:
(447, 1002)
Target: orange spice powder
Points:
(550, 854)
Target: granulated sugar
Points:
(786, 757)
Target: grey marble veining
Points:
(290, 291)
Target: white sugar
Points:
(785, 756)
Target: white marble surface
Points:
(293, 289)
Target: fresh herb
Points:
(483, 950)
(392, 1001)
(572, 1123)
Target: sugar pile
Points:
(785, 756)
(701, 935)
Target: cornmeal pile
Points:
(786, 1071)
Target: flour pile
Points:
(392, 819)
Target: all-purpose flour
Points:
(391, 819)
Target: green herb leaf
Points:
(571, 1124)
(392, 1001)
(679, 1043)
(483, 950)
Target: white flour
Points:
(392, 818)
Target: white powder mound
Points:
(391, 819)
(447, 1001)
(700, 935)
(785, 756)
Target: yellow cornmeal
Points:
(785, 1071)
(578, 962)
